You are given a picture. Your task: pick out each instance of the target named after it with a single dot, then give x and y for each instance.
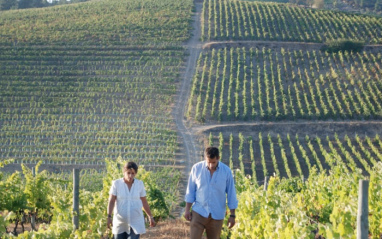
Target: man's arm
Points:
(232, 200)
(231, 220)
(187, 213)
(190, 196)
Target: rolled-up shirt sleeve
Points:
(191, 188)
(232, 201)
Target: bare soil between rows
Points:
(319, 128)
(276, 45)
(54, 168)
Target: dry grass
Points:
(169, 229)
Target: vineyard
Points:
(243, 20)
(93, 85)
(306, 117)
(251, 83)
(314, 171)
(261, 151)
(80, 105)
(107, 92)
(33, 202)
(82, 83)
(101, 23)
(324, 205)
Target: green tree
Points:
(38, 3)
(24, 4)
(8, 4)
(378, 5)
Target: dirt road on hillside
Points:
(235, 124)
(194, 47)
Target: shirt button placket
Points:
(209, 196)
(129, 212)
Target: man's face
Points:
(212, 162)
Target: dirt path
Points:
(202, 128)
(270, 44)
(275, 44)
(304, 128)
(194, 48)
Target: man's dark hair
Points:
(130, 165)
(211, 152)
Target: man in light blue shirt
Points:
(210, 189)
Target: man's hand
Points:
(231, 222)
(109, 222)
(187, 215)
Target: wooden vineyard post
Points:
(76, 197)
(33, 214)
(266, 183)
(363, 210)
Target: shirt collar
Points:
(206, 166)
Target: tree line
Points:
(371, 5)
(23, 4)
(375, 5)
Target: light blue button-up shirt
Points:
(210, 194)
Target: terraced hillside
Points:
(276, 103)
(250, 83)
(80, 105)
(243, 20)
(102, 79)
(100, 23)
(78, 85)
(293, 149)
(239, 83)
(81, 83)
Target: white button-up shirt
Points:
(128, 209)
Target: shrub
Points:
(343, 45)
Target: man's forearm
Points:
(188, 206)
(232, 211)
(231, 220)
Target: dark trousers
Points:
(124, 235)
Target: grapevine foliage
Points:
(49, 201)
(325, 204)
